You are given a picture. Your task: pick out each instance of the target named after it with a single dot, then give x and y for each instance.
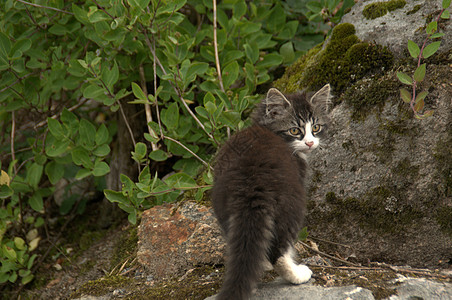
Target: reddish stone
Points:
(173, 239)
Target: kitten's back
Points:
(257, 185)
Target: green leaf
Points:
(27, 279)
(170, 116)
(436, 35)
(87, 134)
(70, 120)
(445, 4)
(138, 92)
(110, 77)
(419, 74)
(445, 15)
(54, 171)
(277, 19)
(303, 234)
(56, 147)
(252, 52)
(93, 91)
(419, 105)
(413, 48)
(430, 49)
(421, 96)
(5, 44)
(140, 150)
(404, 78)
(100, 168)
(80, 157)
(270, 60)
(36, 202)
(114, 196)
(158, 155)
(180, 181)
(34, 174)
(55, 128)
(102, 135)
(9, 252)
(5, 191)
(82, 173)
(405, 95)
(20, 47)
(230, 74)
(287, 52)
(102, 150)
(428, 113)
(19, 242)
(432, 27)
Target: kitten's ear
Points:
(275, 103)
(321, 99)
(275, 97)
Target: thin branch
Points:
(155, 89)
(215, 45)
(103, 9)
(45, 7)
(147, 107)
(191, 152)
(55, 116)
(13, 136)
(327, 255)
(16, 82)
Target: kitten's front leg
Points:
(290, 271)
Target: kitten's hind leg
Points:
(290, 271)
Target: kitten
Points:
(258, 194)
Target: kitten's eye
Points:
(294, 131)
(315, 128)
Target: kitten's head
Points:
(300, 119)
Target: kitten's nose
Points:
(309, 144)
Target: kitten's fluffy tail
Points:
(249, 238)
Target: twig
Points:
(191, 152)
(155, 89)
(46, 7)
(103, 9)
(55, 116)
(147, 107)
(327, 255)
(16, 82)
(215, 45)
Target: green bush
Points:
(67, 67)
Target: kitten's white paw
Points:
(301, 274)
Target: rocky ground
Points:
(108, 269)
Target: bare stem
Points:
(187, 149)
(215, 45)
(147, 107)
(45, 7)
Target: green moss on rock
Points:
(343, 60)
(374, 210)
(379, 9)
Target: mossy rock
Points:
(379, 9)
(342, 61)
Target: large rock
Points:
(397, 26)
(173, 239)
(382, 183)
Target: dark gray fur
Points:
(258, 194)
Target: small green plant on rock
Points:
(417, 101)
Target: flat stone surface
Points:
(406, 289)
